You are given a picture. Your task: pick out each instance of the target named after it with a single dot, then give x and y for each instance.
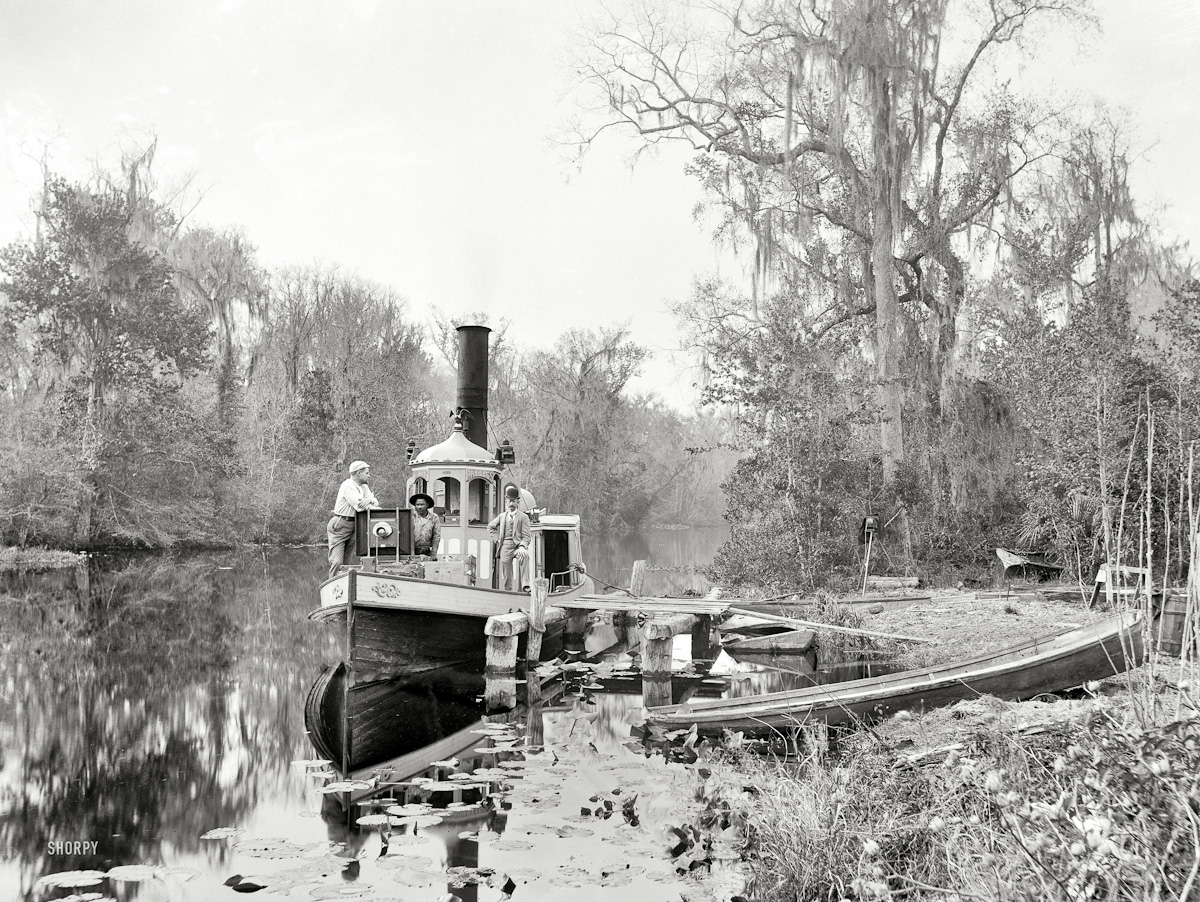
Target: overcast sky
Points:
(410, 142)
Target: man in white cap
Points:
(353, 496)
(510, 535)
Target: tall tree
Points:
(104, 313)
(853, 146)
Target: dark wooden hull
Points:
(359, 726)
(1046, 664)
(389, 644)
(403, 626)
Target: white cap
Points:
(359, 465)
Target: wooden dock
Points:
(659, 620)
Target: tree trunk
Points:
(890, 389)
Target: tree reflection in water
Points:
(152, 706)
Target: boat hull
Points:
(1047, 664)
(396, 626)
(360, 726)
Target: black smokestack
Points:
(473, 381)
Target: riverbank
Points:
(37, 560)
(1087, 794)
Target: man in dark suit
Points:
(511, 534)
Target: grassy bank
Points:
(1091, 795)
(28, 560)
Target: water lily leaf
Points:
(345, 786)
(181, 872)
(309, 763)
(131, 873)
(410, 810)
(568, 830)
(420, 820)
(372, 820)
(269, 847)
(223, 833)
(449, 762)
(70, 879)
(511, 845)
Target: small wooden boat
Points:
(792, 642)
(1046, 664)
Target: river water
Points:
(164, 701)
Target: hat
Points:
(421, 496)
(512, 493)
(359, 465)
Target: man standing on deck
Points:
(427, 528)
(353, 496)
(510, 534)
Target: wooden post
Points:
(705, 646)
(500, 672)
(576, 629)
(636, 578)
(537, 622)
(656, 665)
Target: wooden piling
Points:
(500, 672)
(706, 644)
(637, 577)
(537, 621)
(658, 637)
(623, 620)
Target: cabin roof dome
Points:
(456, 449)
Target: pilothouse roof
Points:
(458, 449)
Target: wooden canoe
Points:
(795, 642)
(1046, 664)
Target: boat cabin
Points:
(465, 482)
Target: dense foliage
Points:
(952, 285)
(161, 387)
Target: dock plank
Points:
(646, 605)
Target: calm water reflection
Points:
(166, 700)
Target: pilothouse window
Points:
(478, 492)
(446, 496)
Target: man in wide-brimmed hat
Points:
(511, 534)
(353, 496)
(427, 527)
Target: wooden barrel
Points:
(1168, 624)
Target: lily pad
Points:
(345, 786)
(131, 873)
(70, 879)
(223, 833)
(269, 847)
(511, 845)
(372, 820)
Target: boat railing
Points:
(567, 579)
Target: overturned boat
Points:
(404, 614)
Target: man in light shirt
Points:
(353, 496)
